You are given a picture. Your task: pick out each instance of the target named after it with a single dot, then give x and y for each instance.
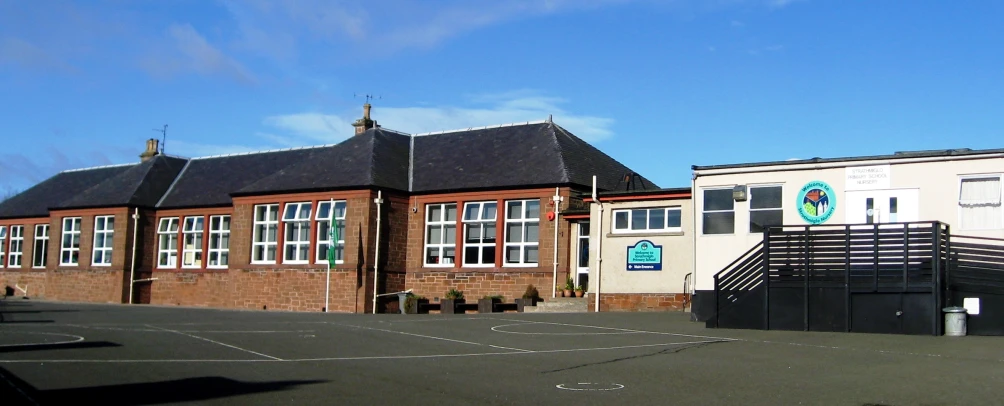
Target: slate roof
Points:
(512, 156)
(61, 187)
(209, 181)
(375, 158)
(140, 185)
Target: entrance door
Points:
(882, 206)
(582, 259)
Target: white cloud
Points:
(193, 53)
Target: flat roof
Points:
(897, 155)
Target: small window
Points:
(191, 254)
(648, 220)
(219, 241)
(980, 203)
(3, 245)
(479, 233)
(69, 253)
(104, 231)
(266, 229)
(326, 213)
(719, 216)
(40, 252)
(16, 246)
(296, 223)
(522, 231)
(440, 234)
(765, 207)
(167, 247)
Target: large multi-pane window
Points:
(3, 244)
(167, 247)
(16, 246)
(440, 234)
(980, 203)
(522, 224)
(647, 220)
(191, 254)
(40, 251)
(327, 212)
(296, 223)
(219, 241)
(479, 233)
(719, 216)
(765, 207)
(266, 229)
(104, 230)
(69, 253)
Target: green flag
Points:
(333, 233)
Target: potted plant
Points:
(413, 304)
(560, 289)
(569, 287)
(579, 292)
(449, 303)
(487, 304)
(530, 298)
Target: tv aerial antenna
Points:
(367, 96)
(163, 133)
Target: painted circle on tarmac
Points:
(587, 386)
(31, 340)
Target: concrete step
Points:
(560, 305)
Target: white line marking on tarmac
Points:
(496, 329)
(425, 336)
(613, 386)
(79, 339)
(622, 329)
(218, 343)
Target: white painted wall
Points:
(934, 183)
(677, 251)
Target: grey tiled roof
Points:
(141, 185)
(52, 192)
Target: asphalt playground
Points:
(69, 353)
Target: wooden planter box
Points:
(521, 303)
(487, 305)
(449, 306)
(416, 306)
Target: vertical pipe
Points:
(554, 278)
(132, 266)
(331, 254)
(376, 255)
(599, 247)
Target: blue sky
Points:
(658, 85)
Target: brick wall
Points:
(35, 282)
(638, 302)
(92, 285)
(475, 285)
(395, 248)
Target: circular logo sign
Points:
(816, 202)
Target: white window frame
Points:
(103, 233)
(167, 228)
(194, 227)
(263, 241)
(41, 238)
(480, 222)
(326, 213)
(751, 210)
(523, 245)
(962, 178)
(219, 257)
(296, 240)
(16, 237)
(703, 212)
(648, 212)
(443, 223)
(71, 246)
(3, 246)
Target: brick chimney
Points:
(365, 123)
(151, 150)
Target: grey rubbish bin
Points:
(402, 299)
(955, 321)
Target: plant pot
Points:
(414, 306)
(522, 303)
(580, 293)
(449, 306)
(487, 305)
(568, 293)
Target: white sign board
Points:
(868, 177)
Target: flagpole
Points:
(331, 255)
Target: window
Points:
(479, 233)
(659, 219)
(719, 215)
(266, 227)
(3, 240)
(765, 208)
(980, 203)
(69, 253)
(522, 222)
(104, 229)
(16, 246)
(440, 234)
(296, 223)
(191, 252)
(40, 252)
(325, 215)
(219, 241)
(167, 248)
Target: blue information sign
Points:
(644, 256)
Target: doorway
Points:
(883, 206)
(582, 255)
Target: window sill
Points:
(658, 234)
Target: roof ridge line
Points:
(484, 127)
(561, 152)
(96, 167)
(261, 152)
(174, 182)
